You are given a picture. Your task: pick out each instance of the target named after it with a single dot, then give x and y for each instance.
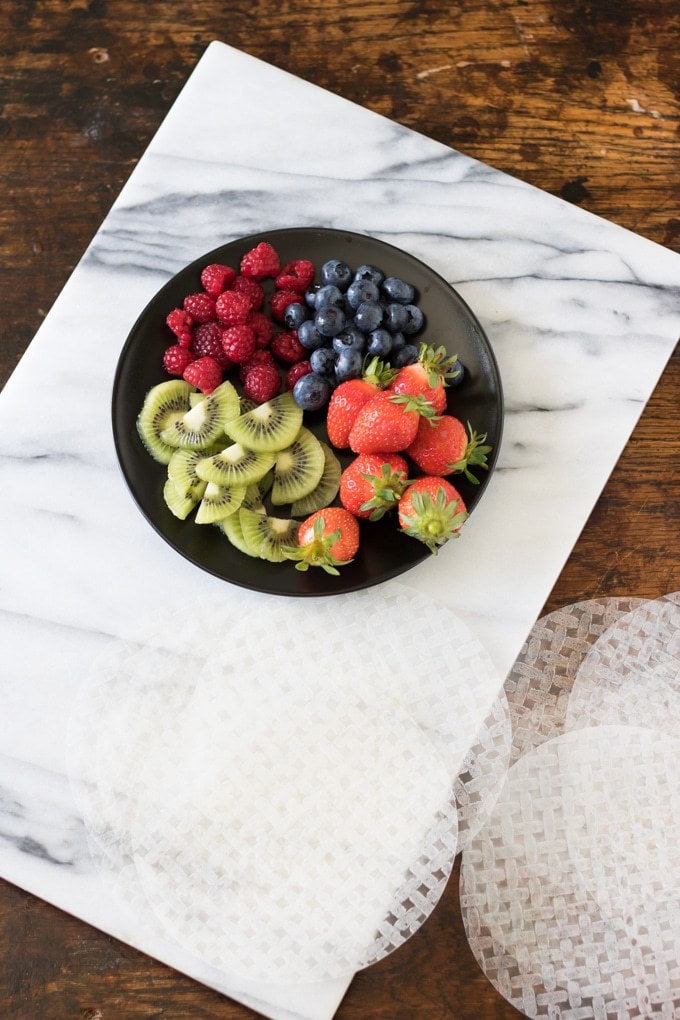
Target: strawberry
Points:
(444, 447)
(349, 397)
(373, 484)
(432, 511)
(328, 539)
(428, 376)
(388, 423)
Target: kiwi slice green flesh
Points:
(231, 529)
(182, 473)
(219, 502)
(163, 404)
(204, 422)
(235, 466)
(253, 499)
(297, 469)
(327, 489)
(267, 537)
(178, 504)
(268, 427)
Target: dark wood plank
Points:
(580, 99)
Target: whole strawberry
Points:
(428, 376)
(373, 484)
(328, 539)
(348, 399)
(432, 511)
(445, 447)
(388, 423)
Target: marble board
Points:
(582, 316)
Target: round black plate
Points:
(385, 552)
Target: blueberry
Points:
(328, 295)
(362, 290)
(310, 295)
(398, 341)
(337, 273)
(408, 355)
(348, 339)
(348, 365)
(322, 360)
(312, 392)
(370, 273)
(415, 319)
(379, 343)
(309, 336)
(368, 316)
(457, 373)
(398, 290)
(295, 315)
(396, 317)
(330, 320)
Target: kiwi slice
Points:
(205, 421)
(297, 469)
(254, 497)
(163, 404)
(231, 528)
(235, 466)
(219, 502)
(268, 427)
(178, 504)
(182, 473)
(327, 489)
(266, 536)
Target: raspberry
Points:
(262, 326)
(238, 343)
(251, 288)
(215, 278)
(259, 357)
(262, 383)
(205, 374)
(280, 300)
(233, 309)
(176, 359)
(296, 372)
(261, 261)
(179, 321)
(207, 342)
(286, 347)
(200, 306)
(184, 339)
(297, 276)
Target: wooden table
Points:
(581, 99)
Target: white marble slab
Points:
(582, 315)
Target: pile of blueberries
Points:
(346, 318)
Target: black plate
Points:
(384, 551)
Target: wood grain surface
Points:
(579, 97)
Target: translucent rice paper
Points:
(631, 674)
(539, 684)
(561, 836)
(276, 788)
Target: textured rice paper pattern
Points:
(535, 928)
(539, 685)
(278, 825)
(632, 672)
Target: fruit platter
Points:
(307, 411)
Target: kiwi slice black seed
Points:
(163, 404)
(235, 466)
(268, 427)
(266, 536)
(218, 502)
(297, 469)
(205, 421)
(327, 489)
